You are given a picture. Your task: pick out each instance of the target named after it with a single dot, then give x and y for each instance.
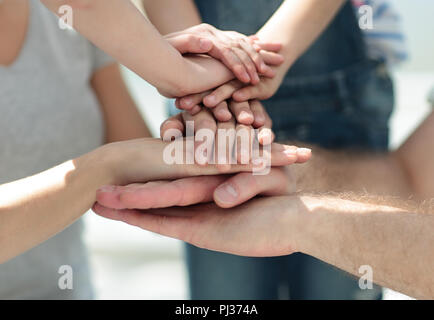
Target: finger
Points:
(161, 194)
(272, 58)
(224, 146)
(254, 55)
(258, 113)
(269, 46)
(248, 93)
(232, 61)
(266, 135)
(221, 112)
(248, 64)
(222, 93)
(241, 112)
(190, 43)
(244, 142)
(303, 155)
(172, 128)
(244, 186)
(205, 127)
(195, 110)
(190, 101)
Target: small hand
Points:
(238, 52)
(212, 98)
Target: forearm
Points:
(403, 173)
(122, 118)
(35, 208)
(353, 172)
(172, 15)
(395, 243)
(296, 25)
(120, 29)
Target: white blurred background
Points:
(129, 263)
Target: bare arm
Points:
(123, 120)
(172, 15)
(404, 173)
(295, 25)
(134, 42)
(35, 208)
(376, 224)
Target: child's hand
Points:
(238, 52)
(236, 89)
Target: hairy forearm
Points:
(172, 15)
(404, 173)
(354, 172)
(397, 244)
(296, 25)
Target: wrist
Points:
(303, 224)
(101, 164)
(296, 221)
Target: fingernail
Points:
(107, 189)
(245, 117)
(265, 135)
(186, 102)
(260, 118)
(290, 152)
(226, 193)
(224, 115)
(210, 100)
(304, 151)
(246, 76)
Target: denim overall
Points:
(333, 96)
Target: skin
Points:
(311, 16)
(33, 209)
(122, 121)
(192, 72)
(380, 203)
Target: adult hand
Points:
(238, 52)
(226, 191)
(262, 227)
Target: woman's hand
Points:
(144, 160)
(262, 227)
(238, 52)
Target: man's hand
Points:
(261, 227)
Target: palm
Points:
(260, 227)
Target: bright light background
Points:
(130, 263)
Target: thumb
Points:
(189, 43)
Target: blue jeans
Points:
(333, 97)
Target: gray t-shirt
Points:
(48, 114)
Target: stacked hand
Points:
(163, 206)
